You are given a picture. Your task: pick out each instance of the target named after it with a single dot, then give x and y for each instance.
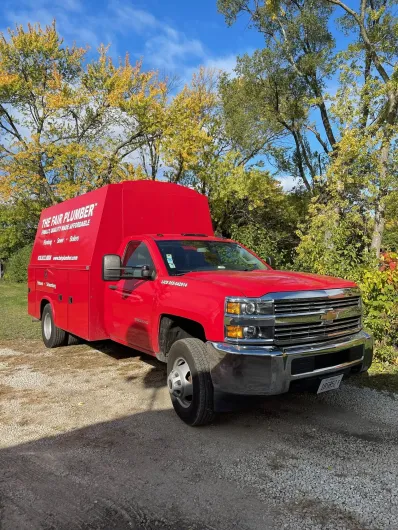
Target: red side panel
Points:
(32, 309)
(46, 288)
(77, 303)
(60, 300)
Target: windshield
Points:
(182, 256)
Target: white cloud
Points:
(130, 18)
(69, 5)
(170, 50)
(225, 63)
(288, 182)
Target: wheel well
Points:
(43, 303)
(171, 327)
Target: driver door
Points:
(132, 300)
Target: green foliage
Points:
(386, 354)
(282, 87)
(17, 266)
(348, 156)
(258, 239)
(334, 244)
(18, 222)
(380, 298)
(390, 236)
(251, 207)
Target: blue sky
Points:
(172, 36)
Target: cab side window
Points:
(136, 255)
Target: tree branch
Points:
(11, 123)
(365, 37)
(319, 138)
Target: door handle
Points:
(112, 287)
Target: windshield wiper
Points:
(213, 270)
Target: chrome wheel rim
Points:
(47, 326)
(179, 382)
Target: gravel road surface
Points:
(88, 440)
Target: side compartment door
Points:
(132, 299)
(60, 301)
(78, 302)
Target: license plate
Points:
(330, 383)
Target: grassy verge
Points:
(381, 376)
(15, 324)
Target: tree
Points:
(299, 58)
(288, 79)
(67, 127)
(373, 58)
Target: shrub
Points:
(380, 298)
(386, 354)
(17, 266)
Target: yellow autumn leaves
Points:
(67, 127)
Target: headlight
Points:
(245, 306)
(250, 320)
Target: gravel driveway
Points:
(88, 441)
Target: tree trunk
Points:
(380, 200)
(378, 227)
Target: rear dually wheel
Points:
(52, 335)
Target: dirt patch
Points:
(69, 359)
(6, 391)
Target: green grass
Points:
(15, 323)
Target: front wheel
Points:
(189, 382)
(52, 335)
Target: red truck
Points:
(138, 263)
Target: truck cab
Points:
(225, 322)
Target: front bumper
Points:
(264, 370)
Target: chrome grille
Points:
(315, 305)
(302, 317)
(315, 331)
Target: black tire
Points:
(73, 340)
(199, 410)
(52, 335)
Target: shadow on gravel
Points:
(386, 382)
(145, 471)
(115, 350)
(156, 378)
(151, 471)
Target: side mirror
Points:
(111, 267)
(270, 261)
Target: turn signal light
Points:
(233, 308)
(234, 332)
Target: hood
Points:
(259, 283)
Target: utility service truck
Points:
(138, 263)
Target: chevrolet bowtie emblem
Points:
(329, 316)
